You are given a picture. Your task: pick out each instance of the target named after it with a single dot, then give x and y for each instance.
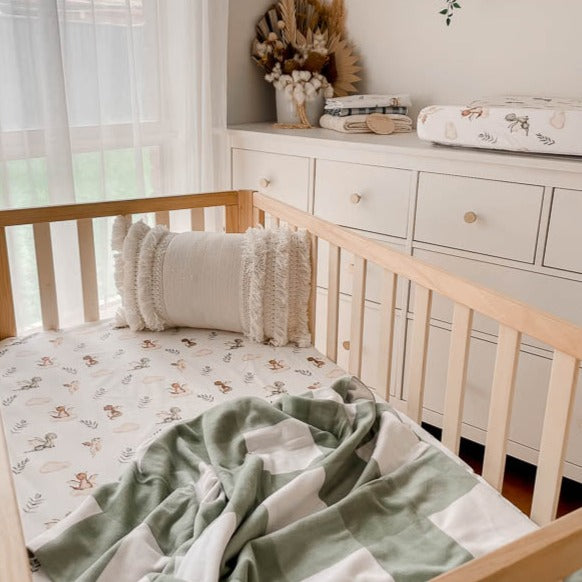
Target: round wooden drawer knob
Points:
(346, 345)
(355, 198)
(264, 183)
(470, 217)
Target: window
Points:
(100, 99)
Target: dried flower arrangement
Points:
(302, 46)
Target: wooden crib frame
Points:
(547, 554)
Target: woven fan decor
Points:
(302, 47)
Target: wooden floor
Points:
(519, 478)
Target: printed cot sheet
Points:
(77, 405)
(80, 407)
(329, 486)
(515, 123)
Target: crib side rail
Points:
(244, 209)
(62, 212)
(513, 317)
(84, 214)
(559, 333)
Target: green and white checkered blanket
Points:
(329, 486)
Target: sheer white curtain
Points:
(104, 99)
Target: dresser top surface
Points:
(404, 144)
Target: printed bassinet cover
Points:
(516, 123)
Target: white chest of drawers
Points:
(508, 221)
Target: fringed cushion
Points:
(257, 283)
(276, 283)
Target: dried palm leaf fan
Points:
(343, 60)
(296, 37)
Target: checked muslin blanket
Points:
(328, 486)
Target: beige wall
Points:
(491, 47)
(250, 98)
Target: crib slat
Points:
(500, 408)
(457, 376)
(163, 218)
(559, 405)
(245, 210)
(7, 317)
(258, 217)
(419, 346)
(313, 295)
(197, 220)
(88, 269)
(333, 301)
(357, 319)
(46, 275)
(387, 314)
(232, 219)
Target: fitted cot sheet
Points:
(516, 123)
(78, 406)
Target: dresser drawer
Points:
(556, 295)
(373, 273)
(370, 198)
(280, 176)
(484, 216)
(533, 375)
(564, 244)
(371, 346)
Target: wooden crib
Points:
(548, 554)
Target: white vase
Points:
(287, 110)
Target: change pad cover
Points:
(517, 123)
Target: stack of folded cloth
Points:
(364, 113)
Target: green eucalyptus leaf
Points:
(448, 12)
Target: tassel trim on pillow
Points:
(131, 250)
(276, 283)
(149, 280)
(299, 289)
(121, 226)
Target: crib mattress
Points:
(78, 406)
(515, 123)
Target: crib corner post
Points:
(13, 556)
(7, 317)
(232, 218)
(245, 210)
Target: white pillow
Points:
(257, 283)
